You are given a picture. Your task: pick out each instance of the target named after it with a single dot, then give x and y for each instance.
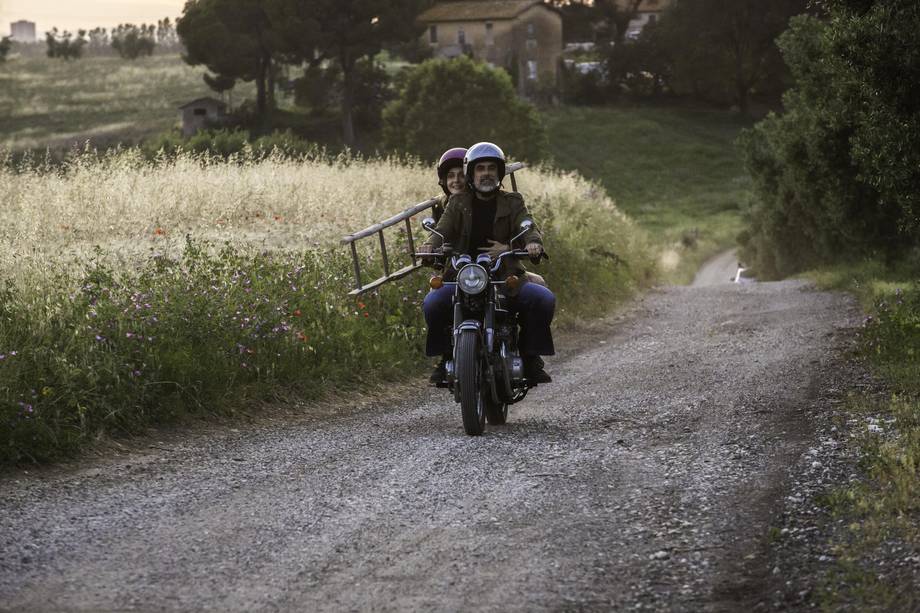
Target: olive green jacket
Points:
(438, 207)
(456, 224)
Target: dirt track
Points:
(645, 476)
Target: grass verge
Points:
(881, 542)
(675, 171)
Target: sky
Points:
(88, 14)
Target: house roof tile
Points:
(476, 10)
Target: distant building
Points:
(649, 11)
(23, 31)
(200, 114)
(522, 36)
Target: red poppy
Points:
(297, 313)
(159, 232)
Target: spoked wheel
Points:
(496, 414)
(469, 378)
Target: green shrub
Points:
(453, 103)
(227, 142)
(834, 174)
(202, 332)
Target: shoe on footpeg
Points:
(533, 370)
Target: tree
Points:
(99, 41)
(344, 31)
(64, 45)
(234, 39)
(579, 18)
(834, 174)
(5, 45)
(131, 41)
(449, 103)
(726, 49)
(166, 36)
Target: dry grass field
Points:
(55, 103)
(129, 207)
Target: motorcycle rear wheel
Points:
(469, 378)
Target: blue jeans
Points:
(534, 305)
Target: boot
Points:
(439, 374)
(533, 370)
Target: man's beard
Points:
(487, 184)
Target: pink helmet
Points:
(452, 158)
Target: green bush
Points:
(452, 103)
(834, 174)
(226, 142)
(208, 331)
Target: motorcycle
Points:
(486, 372)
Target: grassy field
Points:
(133, 292)
(675, 171)
(52, 103)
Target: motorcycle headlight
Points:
(472, 278)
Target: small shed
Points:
(201, 113)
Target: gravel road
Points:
(645, 477)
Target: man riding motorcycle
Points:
(484, 219)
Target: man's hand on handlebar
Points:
(534, 249)
(495, 249)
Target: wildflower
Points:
(366, 314)
(159, 232)
(129, 334)
(302, 337)
(12, 353)
(2, 356)
(297, 313)
(361, 305)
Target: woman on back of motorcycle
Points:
(484, 219)
(450, 178)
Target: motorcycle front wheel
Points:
(496, 414)
(469, 379)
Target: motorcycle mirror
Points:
(428, 223)
(526, 225)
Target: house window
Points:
(432, 34)
(203, 112)
(532, 70)
(461, 37)
(652, 18)
(490, 35)
(531, 31)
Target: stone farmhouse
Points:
(522, 36)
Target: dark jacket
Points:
(456, 224)
(438, 208)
